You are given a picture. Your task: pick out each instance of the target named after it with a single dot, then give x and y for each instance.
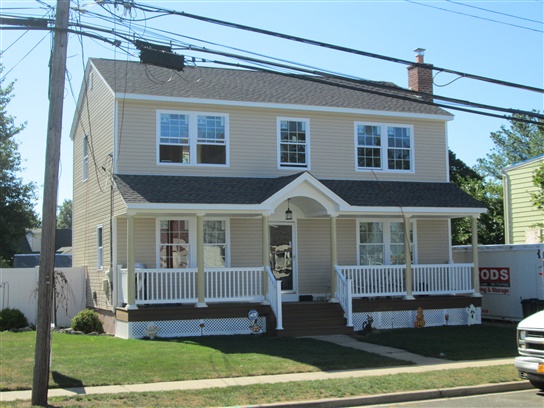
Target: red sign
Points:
(495, 281)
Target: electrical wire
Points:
(474, 16)
(495, 12)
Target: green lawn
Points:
(104, 360)
(454, 342)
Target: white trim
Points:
(85, 158)
(384, 147)
(226, 220)
(286, 166)
(192, 117)
(294, 251)
(270, 105)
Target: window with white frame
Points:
(384, 147)
(192, 138)
(174, 244)
(293, 142)
(85, 161)
(100, 247)
(215, 243)
(382, 242)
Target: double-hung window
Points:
(100, 247)
(293, 143)
(85, 161)
(174, 244)
(192, 138)
(382, 242)
(215, 243)
(385, 147)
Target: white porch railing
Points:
(343, 295)
(375, 280)
(164, 286)
(274, 297)
(234, 284)
(388, 280)
(442, 279)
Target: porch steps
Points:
(313, 319)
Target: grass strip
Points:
(293, 391)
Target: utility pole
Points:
(42, 358)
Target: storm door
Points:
(282, 255)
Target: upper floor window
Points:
(192, 138)
(384, 147)
(85, 161)
(294, 142)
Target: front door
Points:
(282, 256)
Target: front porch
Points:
(246, 300)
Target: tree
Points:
(519, 142)
(490, 224)
(17, 198)
(64, 218)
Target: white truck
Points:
(530, 338)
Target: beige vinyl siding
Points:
(91, 198)
(253, 143)
(433, 245)
(246, 242)
(346, 238)
(523, 212)
(313, 255)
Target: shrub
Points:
(87, 321)
(12, 319)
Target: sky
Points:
(497, 39)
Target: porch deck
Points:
(297, 319)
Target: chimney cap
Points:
(420, 55)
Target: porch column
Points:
(200, 277)
(334, 258)
(131, 276)
(408, 279)
(476, 266)
(266, 257)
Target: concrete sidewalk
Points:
(423, 364)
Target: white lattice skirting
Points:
(407, 318)
(190, 328)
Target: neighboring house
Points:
(523, 221)
(224, 201)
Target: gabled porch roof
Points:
(254, 194)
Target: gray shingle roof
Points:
(137, 189)
(251, 86)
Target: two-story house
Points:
(225, 201)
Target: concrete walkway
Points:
(423, 364)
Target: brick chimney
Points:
(420, 75)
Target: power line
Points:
(473, 16)
(330, 46)
(495, 12)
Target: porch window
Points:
(293, 142)
(385, 147)
(215, 244)
(174, 244)
(382, 242)
(191, 138)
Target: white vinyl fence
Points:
(18, 291)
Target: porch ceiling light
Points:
(288, 212)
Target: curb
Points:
(406, 396)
